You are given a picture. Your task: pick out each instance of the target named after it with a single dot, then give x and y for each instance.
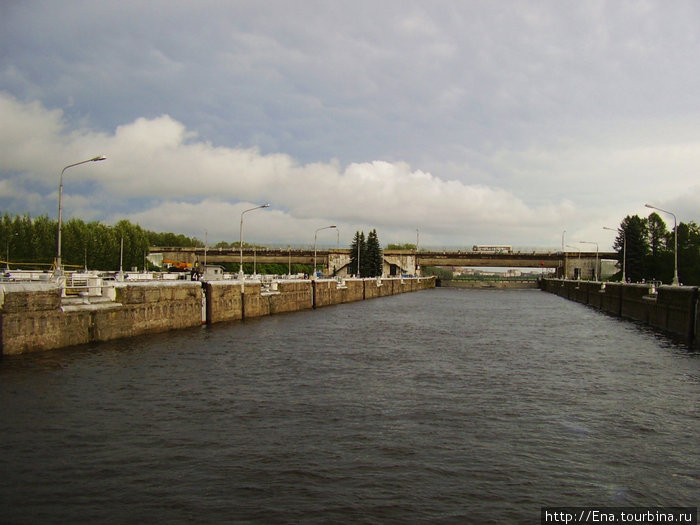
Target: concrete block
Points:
(23, 297)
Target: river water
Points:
(441, 406)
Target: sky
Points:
(450, 122)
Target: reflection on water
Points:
(437, 406)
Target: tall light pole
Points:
(121, 259)
(240, 235)
(7, 254)
(624, 249)
(59, 269)
(562, 240)
(315, 234)
(595, 270)
(675, 243)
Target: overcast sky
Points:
(473, 122)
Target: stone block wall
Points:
(329, 292)
(224, 301)
(43, 330)
(638, 302)
(149, 308)
(672, 309)
(254, 305)
(290, 296)
(611, 298)
(676, 310)
(32, 318)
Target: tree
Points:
(689, 253)
(656, 232)
(375, 262)
(635, 230)
(443, 273)
(658, 262)
(358, 248)
(94, 244)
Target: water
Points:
(441, 406)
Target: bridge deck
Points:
(422, 258)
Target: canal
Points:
(441, 406)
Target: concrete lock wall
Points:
(149, 308)
(228, 300)
(329, 292)
(672, 309)
(33, 318)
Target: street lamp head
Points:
(98, 158)
(649, 206)
(267, 205)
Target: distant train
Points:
(492, 248)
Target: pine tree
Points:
(358, 248)
(657, 233)
(375, 262)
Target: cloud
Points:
(474, 122)
(160, 175)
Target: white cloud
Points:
(159, 174)
(474, 122)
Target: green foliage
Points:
(269, 268)
(656, 233)
(651, 250)
(406, 246)
(689, 253)
(375, 262)
(26, 241)
(358, 250)
(370, 255)
(442, 273)
(172, 239)
(634, 229)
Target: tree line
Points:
(650, 250)
(32, 242)
(27, 241)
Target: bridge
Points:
(396, 262)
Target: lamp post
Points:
(240, 235)
(579, 259)
(59, 270)
(7, 254)
(562, 240)
(624, 249)
(315, 234)
(121, 258)
(675, 243)
(595, 270)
